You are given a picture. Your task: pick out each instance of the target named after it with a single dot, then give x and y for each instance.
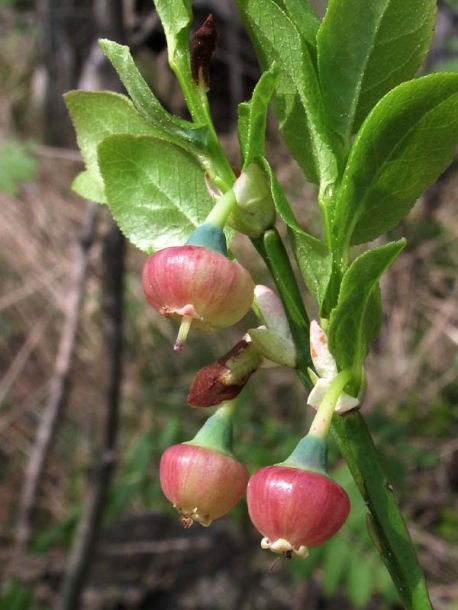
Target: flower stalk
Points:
(322, 421)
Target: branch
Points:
(86, 537)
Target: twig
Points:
(86, 537)
(163, 547)
(23, 355)
(33, 286)
(58, 389)
(55, 152)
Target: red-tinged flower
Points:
(198, 285)
(202, 484)
(295, 509)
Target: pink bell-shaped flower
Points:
(200, 286)
(295, 509)
(202, 478)
(295, 505)
(202, 484)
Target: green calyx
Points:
(209, 236)
(216, 433)
(311, 453)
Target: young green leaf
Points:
(172, 128)
(298, 101)
(176, 17)
(404, 145)
(315, 263)
(305, 19)
(367, 48)
(253, 118)
(95, 116)
(356, 319)
(142, 96)
(155, 190)
(281, 203)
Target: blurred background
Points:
(91, 392)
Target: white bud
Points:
(326, 368)
(273, 341)
(323, 361)
(272, 310)
(274, 346)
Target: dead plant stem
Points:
(58, 388)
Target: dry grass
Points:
(38, 235)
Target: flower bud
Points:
(295, 509)
(274, 340)
(198, 285)
(202, 484)
(225, 378)
(255, 211)
(203, 44)
(326, 368)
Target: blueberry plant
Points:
(372, 136)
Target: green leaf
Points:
(155, 190)
(356, 319)
(253, 118)
(171, 128)
(313, 256)
(16, 165)
(176, 17)
(367, 48)
(281, 203)
(95, 116)
(293, 125)
(89, 187)
(315, 262)
(404, 145)
(360, 580)
(142, 96)
(297, 102)
(305, 19)
(336, 557)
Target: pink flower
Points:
(198, 285)
(202, 484)
(295, 509)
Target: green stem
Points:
(213, 157)
(322, 420)
(216, 433)
(355, 443)
(325, 203)
(221, 210)
(198, 108)
(394, 543)
(270, 246)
